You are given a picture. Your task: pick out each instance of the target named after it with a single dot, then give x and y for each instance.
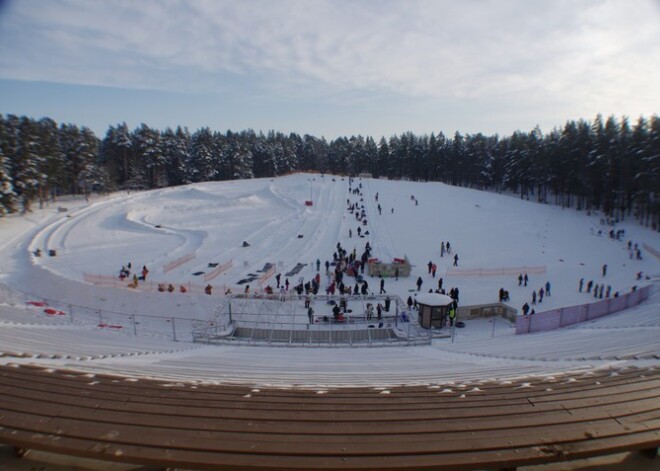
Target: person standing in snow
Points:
(581, 284)
(604, 270)
(430, 265)
(541, 293)
(520, 279)
(534, 298)
(433, 269)
(318, 265)
(448, 246)
(547, 288)
(409, 302)
(525, 279)
(525, 309)
(440, 284)
(382, 285)
(310, 315)
(442, 249)
(396, 273)
(590, 283)
(278, 277)
(456, 260)
(419, 283)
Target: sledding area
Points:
(201, 426)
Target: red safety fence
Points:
(217, 270)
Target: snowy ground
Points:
(212, 220)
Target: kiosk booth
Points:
(433, 309)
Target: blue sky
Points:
(330, 67)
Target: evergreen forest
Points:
(609, 165)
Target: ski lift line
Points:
(383, 239)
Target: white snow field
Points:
(108, 327)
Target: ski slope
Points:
(211, 221)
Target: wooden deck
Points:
(497, 425)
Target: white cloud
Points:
(599, 54)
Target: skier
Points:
(456, 260)
(419, 283)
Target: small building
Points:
(398, 266)
(433, 309)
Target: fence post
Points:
(173, 329)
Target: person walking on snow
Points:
(442, 249)
(534, 297)
(525, 279)
(525, 309)
(433, 269)
(456, 260)
(278, 277)
(604, 270)
(430, 265)
(541, 293)
(419, 283)
(581, 284)
(547, 288)
(520, 279)
(382, 285)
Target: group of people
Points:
(125, 273)
(599, 290)
(537, 296)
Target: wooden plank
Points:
(474, 459)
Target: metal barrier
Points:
(282, 320)
(130, 324)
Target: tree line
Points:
(608, 165)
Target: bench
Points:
(497, 425)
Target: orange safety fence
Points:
(217, 270)
(178, 262)
(533, 270)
